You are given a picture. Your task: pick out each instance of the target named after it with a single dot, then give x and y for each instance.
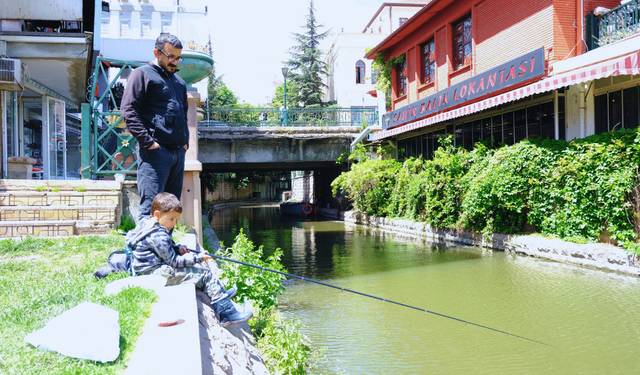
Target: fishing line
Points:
(374, 297)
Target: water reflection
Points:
(592, 315)
(325, 249)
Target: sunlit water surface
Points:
(582, 321)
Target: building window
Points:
(104, 25)
(125, 24)
(616, 110)
(360, 71)
(373, 77)
(462, 42)
(166, 19)
(402, 21)
(145, 24)
(428, 62)
(401, 78)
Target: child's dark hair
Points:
(165, 202)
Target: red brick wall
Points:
(590, 5)
(508, 29)
(565, 30)
(502, 31)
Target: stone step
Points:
(54, 228)
(33, 213)
(61, 185)
(37, 228)
(61, 198)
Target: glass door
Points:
(11, 136)
(73, 141)
(32, 130)
(56, 139)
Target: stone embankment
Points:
(593, 255)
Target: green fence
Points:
(613, 25)
(108, 149)
(270, 116)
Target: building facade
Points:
(351, 78)
(46, 49)
(503, 71)
(129, 28)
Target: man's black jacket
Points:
(154, 107)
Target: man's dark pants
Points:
(159, 170)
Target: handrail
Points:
(613, 25)
(270, 116)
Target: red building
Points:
(489, 69)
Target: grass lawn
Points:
(40, 278)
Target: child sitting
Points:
(154, 252)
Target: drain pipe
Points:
(360, 137)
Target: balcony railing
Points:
(613, 25)
(332, 116)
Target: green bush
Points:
(581, 190)
(284, 349)
(370, 185)
(126, 223)
(502, 184)
(261, 287)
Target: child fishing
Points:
(155, 253)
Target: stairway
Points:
(58, 208)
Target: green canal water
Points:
(589, 319)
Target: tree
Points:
(218, 94)
(293, 97)
(307, 67)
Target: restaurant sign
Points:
(509, 74)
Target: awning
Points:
(619, 66)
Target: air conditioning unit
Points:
(11, 76)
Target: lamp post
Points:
(285, 71)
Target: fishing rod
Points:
(371, 296)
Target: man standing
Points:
(154, 108)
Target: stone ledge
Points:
(595, 255)
(174, 349)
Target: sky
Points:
(252, 38)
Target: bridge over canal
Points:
(250, 139)
(225, 149)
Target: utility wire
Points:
(374, 297)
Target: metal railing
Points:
(613, 25)
(331, 116)
(107, 147)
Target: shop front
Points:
(42, 129)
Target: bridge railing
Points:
(613, 25)
(331, 116)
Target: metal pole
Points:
(285, 114)
(85, 136)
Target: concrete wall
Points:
(388, 19)
(282, 150)
(226, 191)
(68, 10)
(346, 50)
(303, 188)
(580, 112)
(137, 47)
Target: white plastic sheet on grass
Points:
(87, 331)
